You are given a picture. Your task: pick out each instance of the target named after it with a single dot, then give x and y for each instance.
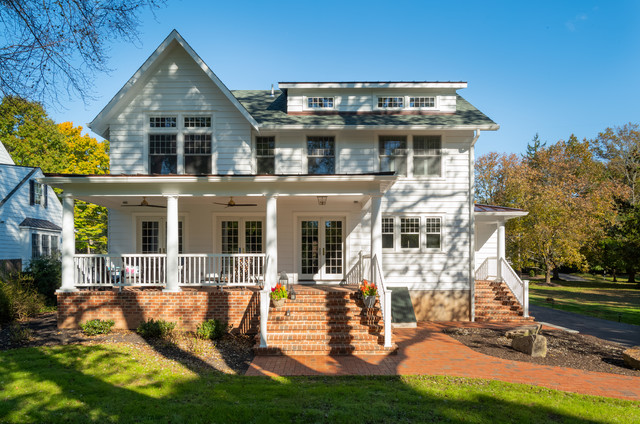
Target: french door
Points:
(241, 235)
(152, 235)
(321, 248)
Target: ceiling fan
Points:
(144, 203)
(231, 203)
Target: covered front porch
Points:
(173, 233)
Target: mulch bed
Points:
(230, 355)
(564, 349)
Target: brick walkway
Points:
(427, 350)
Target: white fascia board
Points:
(485, 217)
(492, 127)
(99, 124)
(372, 84)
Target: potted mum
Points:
(369, 293)
(278, 295)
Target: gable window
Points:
(197, 154)
(433, 228)
(387, 233)
(37, 193)
(320, 155)
(162, 122)
(410, 233)
(320, 102)
(163, 154)
(265, 155)
(393, 154)
(390, 102)
(197, 122)
(422, 102)
(427, 155)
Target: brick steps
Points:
(495, 302)
(324, 321)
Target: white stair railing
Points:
(360, 270)
(264, 306)
(519, 288)
(385, 299)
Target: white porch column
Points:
(501, 250)
(271, 274)
(172, 244)
(376, 228)
(68, 244)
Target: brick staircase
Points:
(325, 320)
(495, 302)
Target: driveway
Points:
(626, 334)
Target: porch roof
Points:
(492, 213)
(222, 185)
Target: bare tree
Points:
(50, 47)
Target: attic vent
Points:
(272, 92)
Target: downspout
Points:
(472, 229)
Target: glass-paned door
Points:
(152, 235)
(241, 235)
(322, 248)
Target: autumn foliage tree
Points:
(33, 139)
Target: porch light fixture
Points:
(322, 200)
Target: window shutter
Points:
(32, 192)
(45, 193)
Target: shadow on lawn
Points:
(61, 384)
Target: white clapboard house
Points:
(30, 215)
(328, 182)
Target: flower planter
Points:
(369, 301)
(277, 303)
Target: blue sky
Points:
(552, 67)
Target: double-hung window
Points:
(412, 233)
(393, 154)
(180, 144)
(35, 246)
(427, 155)
(265, 155)
(321, 155)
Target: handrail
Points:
(518, 287)
(360, 270)
(482, 272)
(264, 305)
(385, 299)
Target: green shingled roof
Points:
(272, 111)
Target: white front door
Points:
(321, 248)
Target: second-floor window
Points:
(265, 155)
(393, 154)
(180, 144)
(390, 102)
(427, 155)
(321, 155)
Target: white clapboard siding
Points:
(177, 85)
(486, 242)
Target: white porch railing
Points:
(221, 269)
(385, 299)
(151, 269)
(520, 288)
(360, 270)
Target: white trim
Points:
(298, 127)
(373, 84)
(422, 240)
(100, 123)
(305, 102)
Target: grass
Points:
(120, 383)
(597, 297)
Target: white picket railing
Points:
(518, 287)
(97, 270)
(385, 298)
(360, 270)
(221, 269)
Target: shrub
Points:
(19, 334)
(212, 329)
(97, 326)
(19, 299)
(47, 276)
(153, 329)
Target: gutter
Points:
(472, 229)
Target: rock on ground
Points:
(535, 345)
(631, 357)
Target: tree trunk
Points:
(613, 273)
(631, 275)
(547, 275)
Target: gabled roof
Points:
(491, 213)
(5, 157)
(12, 177)
(271, 112)
(100, 122)
(42, 224)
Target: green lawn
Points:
(597, 297)
(119, 383)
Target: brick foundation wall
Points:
(240, 307)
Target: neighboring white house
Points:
(30, 215)
(314, 179)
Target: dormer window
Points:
(162, 122)
(422, 102)
(390, 102)
(320, 102)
